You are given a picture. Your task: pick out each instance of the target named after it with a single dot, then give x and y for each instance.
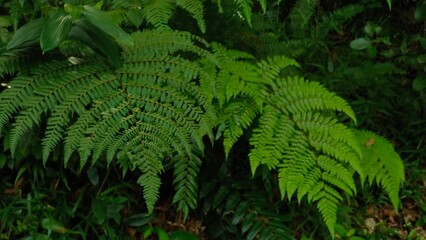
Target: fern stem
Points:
(104, 181)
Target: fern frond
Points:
(195, 8)
(11, 61)
(158, 12)
(245, 5)
(149, 108)
(338, 17)
(271, 69)
(11, 99)
(299, 134)
(162, 43)
(76, 133)
(295, 95)
(298, 161)
(48, 92)
(300, 16)
(327, 127)
(186, 170)
(237, 116)
(149, 180)
(381, 164)
(75, 102)
(266, 149)
(328, 200)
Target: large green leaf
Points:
(27, 35)
(96, 39)
(360, 43)
(105, 23)
(55, 31)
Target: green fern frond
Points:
(272, 124)
(158, 12)
(12, 61)
(271, 69)
(49, 90)
(338, 17)
(328, 200)
(11, 99)
(326, 127)
(295, 95)
(186, 170)
(237, 116)
(245, 5)
(75, 102)
(76, 133)
(300, 135)
(382, 164)
(298, 161)
(196, 9)
(149, 180)
(166, 43)
(149, 108)
(300, 16)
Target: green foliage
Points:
(382, 164)
(315, 153)
(151, 100)
(238, 208)
(146, 110)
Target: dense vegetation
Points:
(202, 119)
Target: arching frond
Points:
(150, 108)
(381, 164)
(300, 135)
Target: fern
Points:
(13, 61)
(300, 17)
(170, 89)
(381, 163)
(338, 17)
(186, 171)
(148, 109)
(314, 154)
